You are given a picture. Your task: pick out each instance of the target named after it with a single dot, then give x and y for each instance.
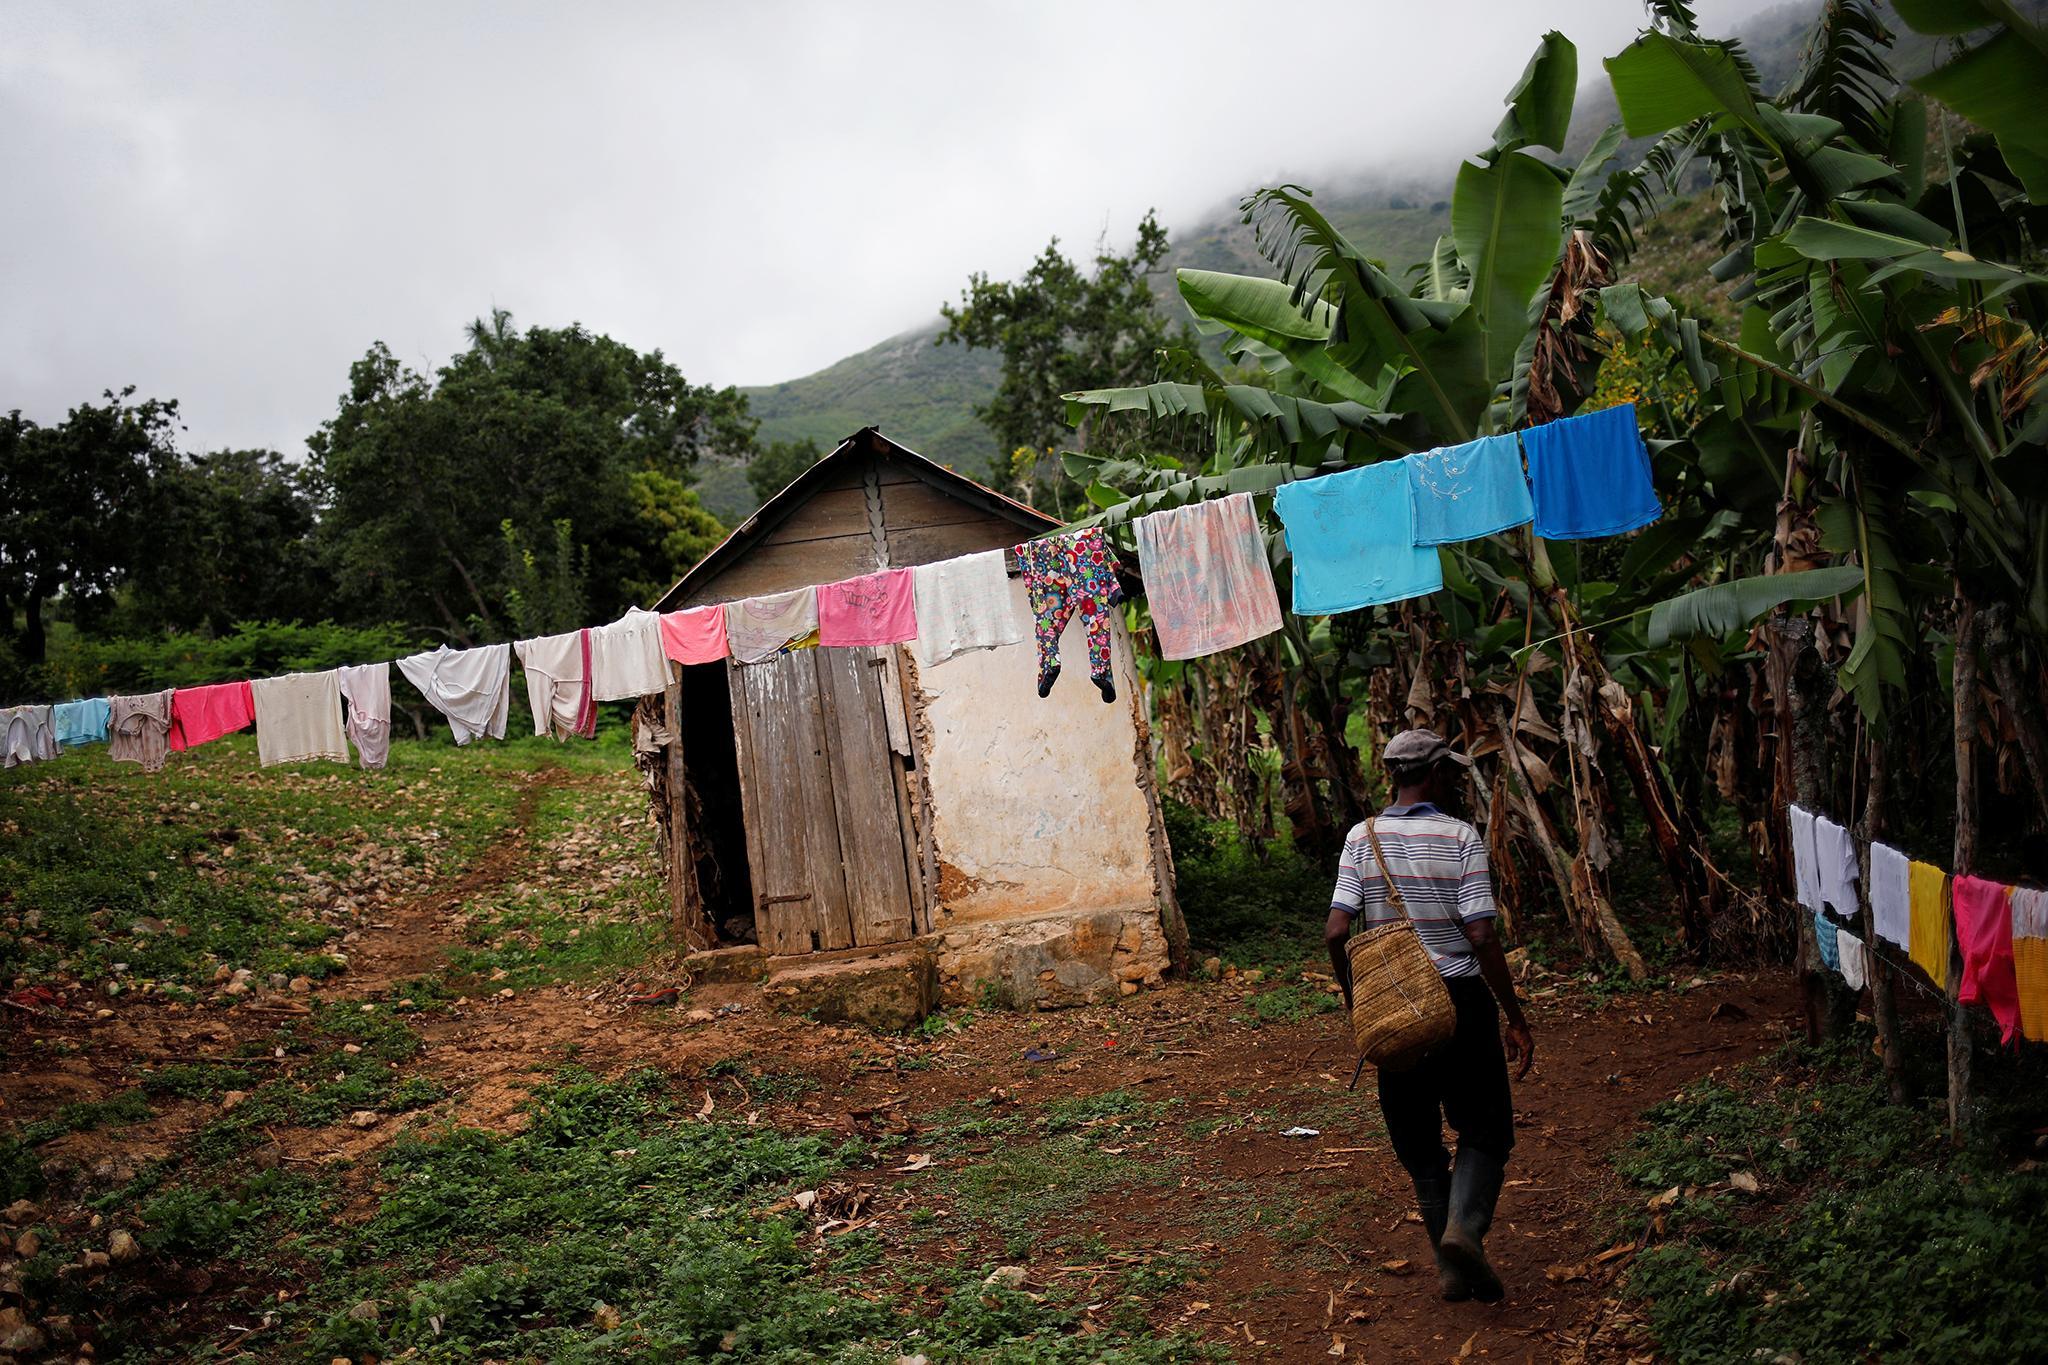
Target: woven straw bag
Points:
(1400, 1007)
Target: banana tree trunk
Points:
(1884, 1008)
(2022, 704)
(1680, 841)
(1590, 803)
(1963, 860)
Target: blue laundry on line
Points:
(1590, 475)
(1352, 539)
(1463, 492)
(81, 722)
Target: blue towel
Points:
(1591, 475)
(81, 722)
(1353, 540)
(1824, 938)
(1468, 491)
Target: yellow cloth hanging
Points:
(2030, 960)
(1927, 894)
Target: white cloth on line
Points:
(471, 687)
(555, 682)
(28, 734)
(1891, 900)
(759, 628)
(1805, 860)
(2029, 912)
(626, 658)
(298, 717)
(1835, 860)
(1855, 959)
(965, 604)
(367, 688)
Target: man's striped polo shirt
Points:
(1439, 862)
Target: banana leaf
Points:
(1540, 106)
(1726, 607)
(1507, 219)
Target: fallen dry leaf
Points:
(918, 1161)
(1744, 1181)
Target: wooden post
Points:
(688, 922)
(1884, 1008)
(1962, 861)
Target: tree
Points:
(420, 475)
(72, 499)
(775, 468)
(1061, 327)
(228, 537)
(670, 532)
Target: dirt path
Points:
(1301, 1248)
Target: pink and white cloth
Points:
(1206, 576)
(874, 609)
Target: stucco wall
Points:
(1036, 803)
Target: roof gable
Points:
(869, 503)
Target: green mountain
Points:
(924, 394)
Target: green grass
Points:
(1870, 1237)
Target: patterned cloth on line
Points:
(1467, 491)
(759, 628)
(1206, 577)
(1438, 862)
(1352, 537)
(139, 729)
(873, 609)
(1066, 576)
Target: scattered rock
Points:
(28, 1244)
(364, 1118)
(231, 1099)
(507, 993)
(605, 1318)
(700, 1016)
(122, 1246)
(278, 981)
(236, 988)
(17, 1333)
(21, 1211)
(366, 1311)
(95, 1260)
(1005, 1277)
(300, 985)
(1212, 967)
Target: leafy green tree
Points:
(420, 474)
(775, 468)
(228, 537)
(72, 504)
(1059, 327)
(671, 531)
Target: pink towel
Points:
(696, 636)
(877, 609)
(202, 714)
(1984, 930)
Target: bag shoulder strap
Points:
(1394, 897)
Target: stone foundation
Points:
(1051, 961)
(887, 990)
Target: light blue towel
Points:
(1467, 491)
(81, 722)
(1590, 475)
(1824, 939)
(1353, 540)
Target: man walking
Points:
(1439, 863)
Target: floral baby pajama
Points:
(1064, 575)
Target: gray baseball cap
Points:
(1420, 748)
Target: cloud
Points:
(227, 204)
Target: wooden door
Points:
(825, 838)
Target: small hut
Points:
(887, 835)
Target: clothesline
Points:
(1359, 538)
(2002, 930)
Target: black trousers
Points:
(1463, 1083)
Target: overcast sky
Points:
(227, 203)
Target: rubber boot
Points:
(1475, 1189)
(1433, 1199)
